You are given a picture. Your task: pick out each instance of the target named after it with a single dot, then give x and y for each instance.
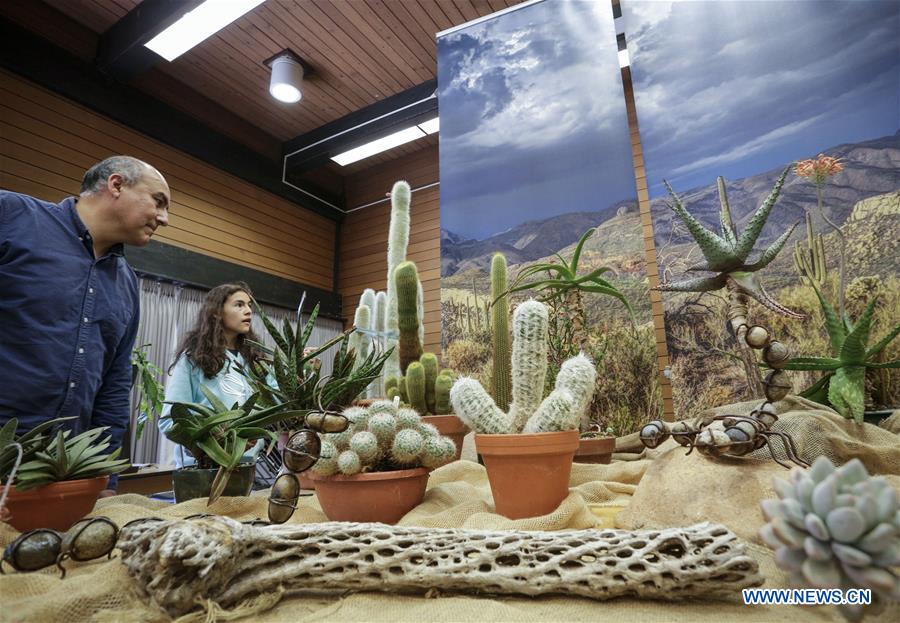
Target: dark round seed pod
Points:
(90, 538)
(653, 434)
(757, 337)
(776, 353)
(778, 385)
(33, 550)
(301, 451)
(327, 422)
(283, 498)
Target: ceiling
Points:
(361, 52)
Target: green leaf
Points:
(886, 364)
(846, 392)
(8, 432)
(818, 391)
(883, 342)
(214, 450)
(287, 331)
(812, 363)
(276, 336)
(218, 484)
(833, 325)
(308, 328)
(573, 267)
(854, 349)
(217, 405)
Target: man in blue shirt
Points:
(69, 304)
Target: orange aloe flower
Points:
(819, 169)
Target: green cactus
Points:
(359, 341)
(810, 262)
(383, 426)
(437, 451)
(442, 385)
(365, 444)
(430, 364)
(562, 410)
(408, 418)
(406, 277)
(500, 375)
(390, 382)
(407, 446)
(393, 392)
(349, 463)
(328, 455)
(401, 388)
(398, 240)
(415, 386)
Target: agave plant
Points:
(82, 456)
(843, 384)
(302, 384)
(218, 435)
(563, 282)
(727, 254)
(29, 443)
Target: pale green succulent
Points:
(728, 254)
(836, 528)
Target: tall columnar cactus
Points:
(810, 262)
(398, 240)
(430, 365)
(420, 311)
(415, 386)
(379, 320)
(405, 279)
(423, 380)
(561, 410)
(394, 438)
(442, 385)
(360, 340)
(529, 360)
(500, 377)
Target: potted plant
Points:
(536, 441)
(145, 376)
(53, 480)
(377, 469)
(217, 437)
(842, 386)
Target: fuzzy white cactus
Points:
(359, 340)
(398, 240)
(379, 320)
(365, 444)
(407, 446)
(327, 463)
(561, 410)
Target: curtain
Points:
(168, 311)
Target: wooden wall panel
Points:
(364, 235)
(47, 142)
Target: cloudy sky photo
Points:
(736, 88)
(533, 119)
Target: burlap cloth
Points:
(664, 489)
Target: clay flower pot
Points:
(595, 450)
(56, 506)
(529, 473)
(383, 497)
(449, 426)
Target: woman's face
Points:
(237, 312)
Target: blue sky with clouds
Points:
(533, 119)
(735, 88)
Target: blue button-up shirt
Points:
(68, 320)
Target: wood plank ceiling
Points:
(361, 51)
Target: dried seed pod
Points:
(654, 433)
(283, 498)
(33, 550)
(778, 385)
(757, 337)
(90, 538)
(327, 422)
(776, 353)
(301, 451)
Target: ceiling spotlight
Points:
(288, 71)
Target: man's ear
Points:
(114, 184)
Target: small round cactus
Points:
(358, 417)
(328, 453)
(428, 430)
(382, 406)
(349, 463)
(383, 425)
(407, 446)
(365, 444)
(836, 528)
(437, 451)
(407, 418)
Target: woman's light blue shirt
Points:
(229, 386)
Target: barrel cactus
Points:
(836, 528)
(393, 438)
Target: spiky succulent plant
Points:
(728, 254)
(836, 528)
(383, 437)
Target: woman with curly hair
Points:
(210, 355)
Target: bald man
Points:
(69, 305)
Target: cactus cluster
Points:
(561, 410)
(398, 240)
(810, 262)
(424, 387)
(500, 377)
(836, 528)
(383, 437)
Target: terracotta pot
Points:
(529, 473)
(595, 450)
(383, 497)
(449, 426)
(56, 506)
(305, 481)
(190, 483)
(365, 402)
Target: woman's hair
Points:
(205, 344)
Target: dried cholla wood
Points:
(176, 562)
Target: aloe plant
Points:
(302, 384)
(218, 435)
(60, 458)
(145, 375)
(29, 442)
(563, 281)
(843, 384)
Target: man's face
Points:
(142, 207)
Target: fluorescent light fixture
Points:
(382, 144)
(195, 26)
(624, 61)
(431, 126)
